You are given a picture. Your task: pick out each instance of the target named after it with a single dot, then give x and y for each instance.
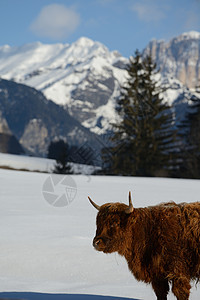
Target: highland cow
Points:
(160, 243)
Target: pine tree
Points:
(144, 139)
(59, 150)
(190, 166)
(62, 166)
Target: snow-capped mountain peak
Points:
(190, 35)
(82, 76)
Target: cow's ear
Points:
(130, 208)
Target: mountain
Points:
(178, 61)
(179, 58)
(84, 78)
(36, 121)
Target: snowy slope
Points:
(37, 164)
(48, 249)
(83, 75)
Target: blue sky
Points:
(124, 25)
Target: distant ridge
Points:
(35, 121)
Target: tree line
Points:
(146, 140)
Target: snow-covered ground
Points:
(48, 249)
(38, 164)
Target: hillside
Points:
(36, 121)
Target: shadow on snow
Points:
(44, 296)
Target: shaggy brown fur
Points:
(160, 243)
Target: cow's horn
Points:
(130, 208)
(94, 204)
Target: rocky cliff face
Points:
(35, 136)
(179, 58)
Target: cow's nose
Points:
(96, 242)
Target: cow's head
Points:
(111, 223)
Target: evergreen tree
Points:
(190, 166)
(59, 150)
(144, 139)
(56, 148)
(62, 166)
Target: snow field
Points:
(49, 250)
(38, 164)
